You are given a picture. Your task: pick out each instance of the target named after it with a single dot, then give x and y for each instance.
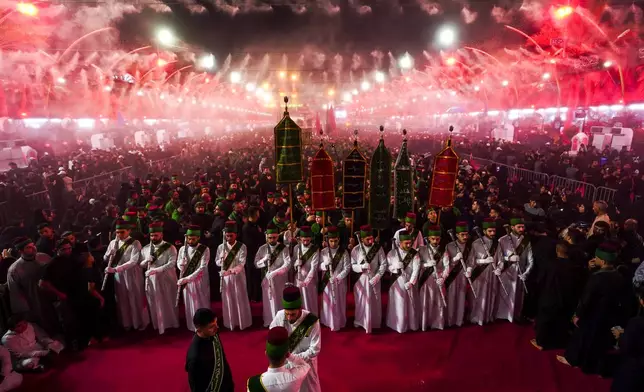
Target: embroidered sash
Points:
(478, 270)
(230, 257)
(453, 273)
(327, 274)
(278, 249)
(159, 251)
(428, 271)
(309, 253)
(254, 384)
(408, 258)
(522, 246)
(194, 262)
(371, 254)
(301, 331)
(218, 371)
(121, 251)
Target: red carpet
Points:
(495, 358)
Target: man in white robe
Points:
(403, 262)
(514, 261)
(123, 256)
(305, 337)
(159, 261)
(369, 260)
(335, 267)
(480, 269)
(410, 228)
(231, 258)
(286, 373)
(454, 257)
(194, 283)
(307, 263)
(274, 259)
(431, 283)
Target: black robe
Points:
(200, 363)
(605, 303)
(629, 376)
(560, 284)
(253, 237)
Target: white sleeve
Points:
(172, 257)
(241, 260)
(203, 268)
(315, 346)
(346, 266)
(313, 271)
(135, 256)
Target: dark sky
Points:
(385, 29)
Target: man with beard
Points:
(122, 257)
(307, 261)
(159, 258)
(481, 271)
(335, 267)
(514, 263)
(61, 279)
(23, 280)
(456, 253)
(46, 242)
(253, 238)
(206, 364)
(274, 260)
(604, 304)
(560, 282)
(194, 281)
(403, 263)
(410, 228)
(431, 283)
(368, 259)
(305, 338)
(231, 257)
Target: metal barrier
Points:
(605, 194)
(583, 189)
(519, 175)
(121, 175)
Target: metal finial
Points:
(404, 134)
(285, 105)
(321, 140)
(451, 128)
(382, 132)
(355, 140)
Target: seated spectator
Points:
(9, 379)
(533, 209)
(29, 343)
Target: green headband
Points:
(124, 226)
(516, 221)
(461, 229)
(305, 234)
(404, 237)
(155, 229)
(276, 352)
(433, 233)
(292, 305)
(365, 234)
(605, 255)
(272, 231)
(333, 234)
(410, 220)
(193, 232)
(489, 225)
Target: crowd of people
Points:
(212, 225)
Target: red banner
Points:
(444, 173)
(322, 182)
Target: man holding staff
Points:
(194, 284)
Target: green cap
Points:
(291, 298)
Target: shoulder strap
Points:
(254, 384)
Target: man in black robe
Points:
(206, 364)
(560, 282)
(629, 376)
(605, 303)
(253, 237)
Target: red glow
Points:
(27, 9)
(450, 61)
(564, 12)
(23, 114)
(161, 63)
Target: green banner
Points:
(380, 187)
(403, 183)
(288, 151)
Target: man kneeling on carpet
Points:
(29, 344)
(286, 372)
(206, 364)
(304, 340)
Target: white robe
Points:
(161, 287)
(334, 298)
(129, 286)
(416, 243)
(287, 378)
(509, 307)
(272, 288)
(196, 294)
(457, 290)
(307, 274)
(402, 310)
(483, 308)
(234, 295)
(368, 302)
(308, 349)
(432, 309)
